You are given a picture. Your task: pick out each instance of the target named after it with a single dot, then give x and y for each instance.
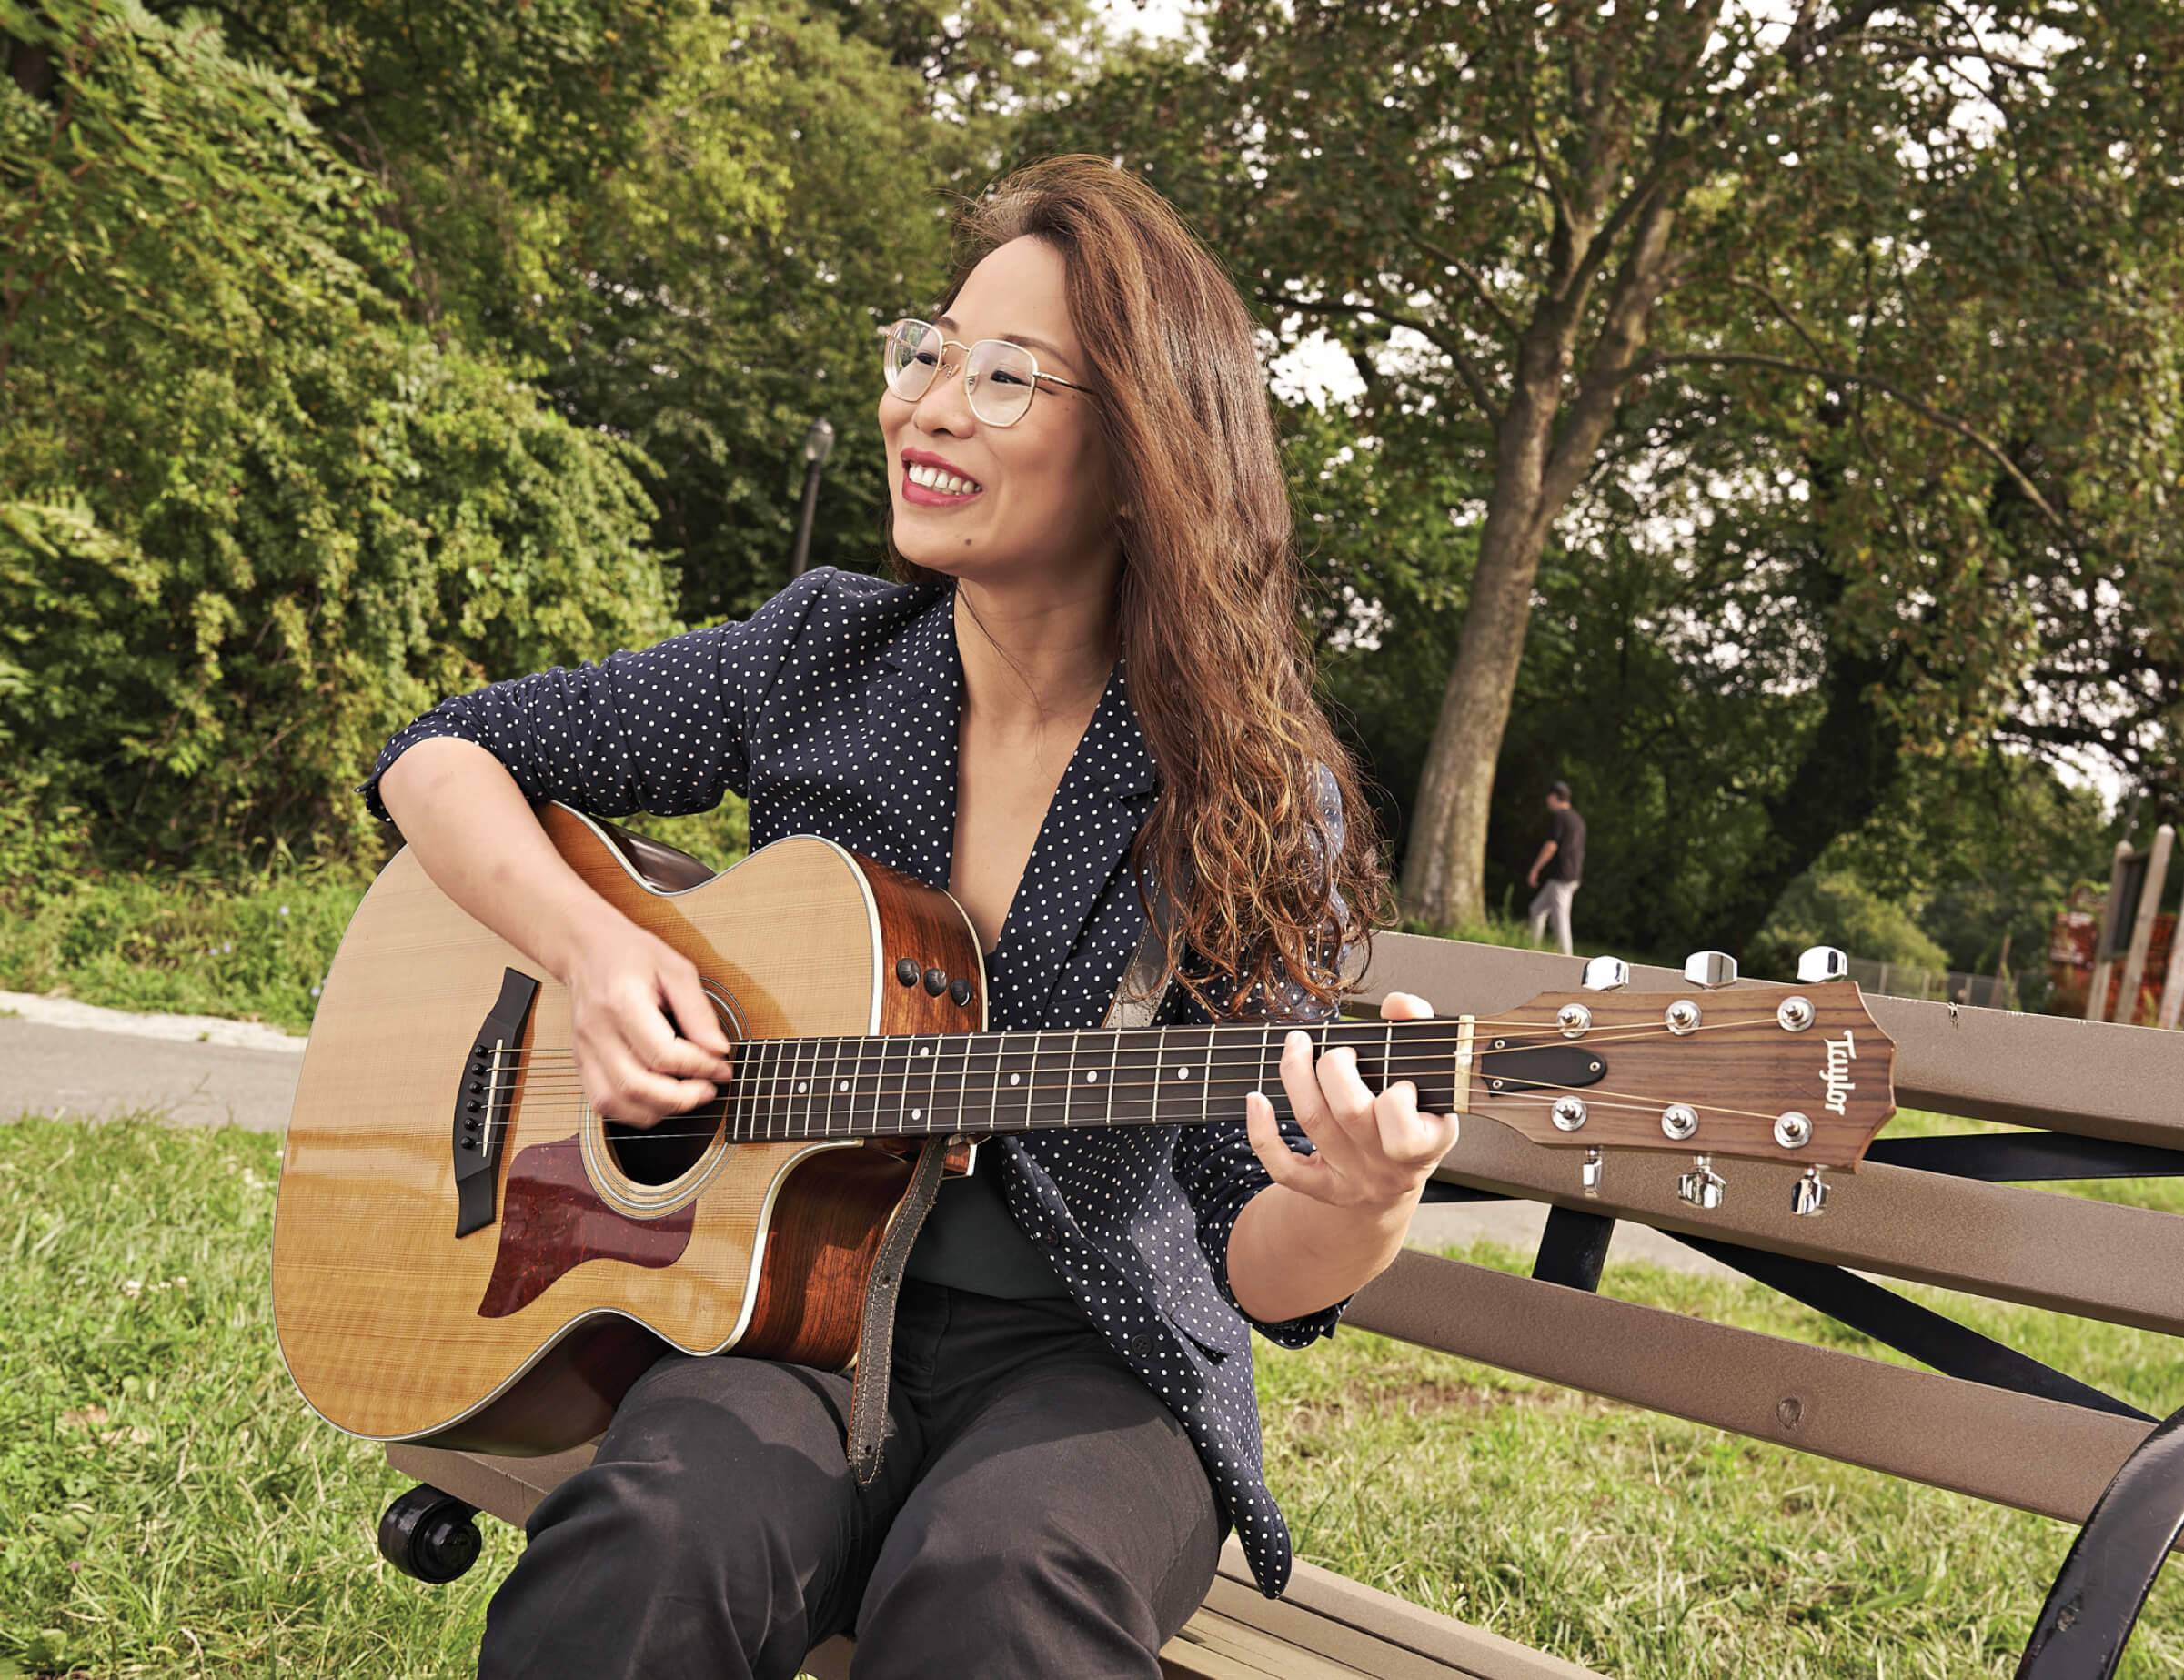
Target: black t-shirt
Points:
(1566, 829)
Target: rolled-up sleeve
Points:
(664, 731)
(1215, 1164)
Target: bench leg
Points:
(2096, 1600)
(430, 1535)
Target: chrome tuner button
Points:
(1710, 970)
(1679, 1120)
(1820, 964)
(1795, 1014)
(1574, 1019)
(1702, 1187)
(1568, 1113)
(1793, 1129)
(1606, 974)
(1809, 1195)
(1588, 1175)
(1681, 1017)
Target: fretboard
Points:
(787, 1089)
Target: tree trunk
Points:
(1537, 471)
(1444, 876)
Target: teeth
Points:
(947, 483)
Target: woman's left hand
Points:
(1373, 1153)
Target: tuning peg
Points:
(1588, 1174)
(1820, 964)
(1702, 1187)
(1809, 1195)
(1710, 970)
(1606, 974)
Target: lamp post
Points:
(818, 442)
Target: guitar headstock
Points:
(1797, 1074)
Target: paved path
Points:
(63, 1058)
(59, 1057)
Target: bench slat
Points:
(2037, 1247)
(2090, 1078)
(2038, 1455)
(1378, 1632)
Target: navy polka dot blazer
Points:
(833, 710)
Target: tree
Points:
(251, 520)
(1521, 218)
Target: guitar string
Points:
(794, 1135)
(1412, 1034)
(813, 1130)
(1613, 1033)
(560, 1079)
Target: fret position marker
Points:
(1091, 1079)
(1015, 1079)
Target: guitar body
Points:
(601, 1249)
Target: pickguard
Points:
(552, 1221)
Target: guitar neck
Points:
(914, 1085)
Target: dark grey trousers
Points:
(1038, 1512)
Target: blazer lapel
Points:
(1105, 794)
(913, 718)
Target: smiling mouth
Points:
(940, 481)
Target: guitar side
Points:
(522, 1336)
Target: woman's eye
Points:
(927, 359)
(1003, 376)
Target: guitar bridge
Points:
(481, 1106)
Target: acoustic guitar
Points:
(464, 1253)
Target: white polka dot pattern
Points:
(834, 709)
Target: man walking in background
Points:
(1557, 869)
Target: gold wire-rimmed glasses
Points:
(999, 377)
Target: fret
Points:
(1012, 1090)
(850, 1087)
(1069, 1076)
(1387, 1056)
(1206, 1078)
(771, 1086)
(1107, 1097)
(738, 1089)
(842, 1087)
(799, 1088)
(1031, 1081)
(792, 1070)
(958, 1090)
(932, 1054)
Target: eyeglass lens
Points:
(999, 376)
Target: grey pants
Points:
(1551, 901)
(1038, 1511)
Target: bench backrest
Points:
(2004, 1428)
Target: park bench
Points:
(1980, 1419)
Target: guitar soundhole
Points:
(668, 1151)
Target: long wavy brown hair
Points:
(1219, 677)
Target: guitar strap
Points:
(876, 1332)
(1136, 1001)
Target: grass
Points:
(250, 950)
(174, 1510)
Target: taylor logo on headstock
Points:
(1836, 1077)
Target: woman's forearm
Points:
(462, 814)
(1290, 1254)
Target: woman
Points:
(1088, 684)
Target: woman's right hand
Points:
(647, 1040)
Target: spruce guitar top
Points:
(464, 1253)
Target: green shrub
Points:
(252, 518)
